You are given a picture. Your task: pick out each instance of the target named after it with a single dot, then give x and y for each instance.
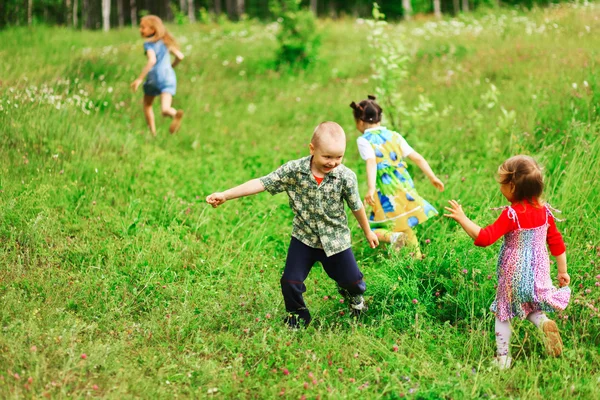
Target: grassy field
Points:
(118, 281)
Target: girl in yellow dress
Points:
(397, 207)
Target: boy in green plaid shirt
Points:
(317, 186)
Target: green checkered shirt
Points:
(319, 217)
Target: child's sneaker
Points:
(552, 340)
(357, 305)
(174, 127)
(356, 302)
(502, 362)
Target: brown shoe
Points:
(552, 340)
(174, 127)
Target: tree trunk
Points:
(182, 6)
(133, 12)
(332, 9)
(168, 12)
(218, 9)
(85, 14)
(456, 6)
(75, 16)
(231, 6)
(191, 11)
(314, 7)
(29, 12)
(437, 8)
(240, 7)
(465, 4)
(120, 14)
(105, 15)
(69, 9)
(407, 9)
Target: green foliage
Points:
(297, 37)
(179, 16)
(390, 62)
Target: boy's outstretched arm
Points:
(249, 188)
(361, 217)
(424, 166)
(457, 214)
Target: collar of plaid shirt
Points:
(305, 169)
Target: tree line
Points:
(106, 14)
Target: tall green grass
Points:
(109, 251)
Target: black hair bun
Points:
(371, 97)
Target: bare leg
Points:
(165, 103)
(412, 243)
(149, 114)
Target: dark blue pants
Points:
(340, 267)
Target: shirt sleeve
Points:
(149, 46)
(277, 181)
(405, 147)
(554, 239)
(495, 231)
(365, 149)
(350, 192)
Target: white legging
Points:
(503, 331)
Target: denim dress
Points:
(161, 78)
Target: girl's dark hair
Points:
(367, 110)
(526, 176)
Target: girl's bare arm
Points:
(178, 57)
(424, 166)
(151, 62)
(563, 276)
(371, 178)
(457, 214)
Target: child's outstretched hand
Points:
(372, 238)
(437, 183)
(136, 84)
(216, 199)
(564, 279)
(456, 211)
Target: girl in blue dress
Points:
(158, 71)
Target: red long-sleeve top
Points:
(529, 216)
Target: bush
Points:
(298, 40)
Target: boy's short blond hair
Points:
(327, 129)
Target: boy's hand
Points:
(372, 238)
(563, 279)
(456, 211)
(136, 84)
(437, 183)
(369, 199)
(216, 199)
